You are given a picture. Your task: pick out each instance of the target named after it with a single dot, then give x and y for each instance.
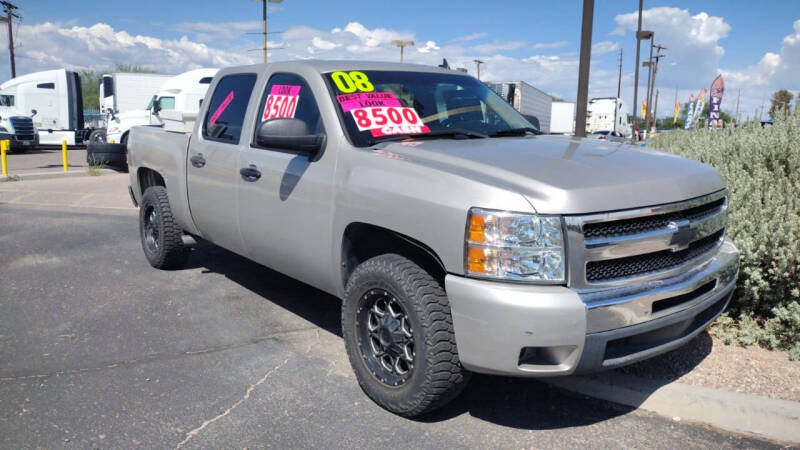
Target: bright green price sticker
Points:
(349, 82)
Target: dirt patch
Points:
(707, 362)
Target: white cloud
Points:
(322, 44)
(550, 45)
(429, 46)
(498, 46)
(603, 47)
(469, 37)
(692, 42)
(215, 31)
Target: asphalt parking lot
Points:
(99, 350)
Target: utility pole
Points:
(636, 70)
(264, 25)
(583, 68)
(619, 78)
(478, 63)
(738, 97)
(402, 45)
(649, 65)
(763, 99)
(655, 112)
(650, 89)
(9, 9)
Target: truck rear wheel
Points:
(399, 336)
(162, 238)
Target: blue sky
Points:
(534, 41)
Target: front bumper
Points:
(18, 141)
(527, 330)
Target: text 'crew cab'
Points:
(459, 238)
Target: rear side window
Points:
(225, 115)
(46, 85)
(288, 96)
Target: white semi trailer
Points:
(562, 118)
(51, 99)
(174, 102)
(526, 99)
(608, 114)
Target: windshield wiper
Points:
(454, 133)
(515, 132)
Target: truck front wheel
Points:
(399, 336)
(162, 237)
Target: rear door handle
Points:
(198, 160)
(250, 173)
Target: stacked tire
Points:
(107, 155)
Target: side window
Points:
(46, 86)
(228, 106)
(288, 96)
(167, 102)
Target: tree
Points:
(780, 100)
(90, 81)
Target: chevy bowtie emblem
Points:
(683, 236)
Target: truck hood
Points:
(133, 115)
(567, 175)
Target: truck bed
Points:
(165, 152)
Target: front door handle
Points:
(198, 160)
(250, 173)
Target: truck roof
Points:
(324, 66)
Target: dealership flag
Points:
(698, 108)
(675, 114)
(714, 100)
(689, 113)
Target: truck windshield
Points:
(379, 105)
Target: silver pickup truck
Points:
(459, 238)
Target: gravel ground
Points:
(707, 362)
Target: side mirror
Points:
(33, 112)
(289, 134)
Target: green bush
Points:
(761, 166)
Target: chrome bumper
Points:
(524, 330)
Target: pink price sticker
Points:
(281, 102)
(367, 99)
(220, 109)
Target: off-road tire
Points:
(170, 252)
(437, 376)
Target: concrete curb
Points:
(49, 175)
(742, 413)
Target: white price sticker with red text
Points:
(389, 120)
(281, 102)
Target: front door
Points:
(285, 215)
(213, 167)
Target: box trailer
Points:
(121, 92)
(562, 118)
(526, 99)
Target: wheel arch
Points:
(362, 241)
(148, 177)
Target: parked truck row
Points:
(459, 238)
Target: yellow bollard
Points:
(3, 149)
(110, 141)
(64, 154)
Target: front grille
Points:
(24, 138)
(630, 266)
(22, 125)
(649, 223)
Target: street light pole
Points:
(636, 70)
(583, 68)
(402, 45)
(478, 63)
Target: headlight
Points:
(113, 129)
(510, 246)
(3, 130)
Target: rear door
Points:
(213, 166)
(285, 215)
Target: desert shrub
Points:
(761, 166)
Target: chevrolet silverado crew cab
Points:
(459, 238)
